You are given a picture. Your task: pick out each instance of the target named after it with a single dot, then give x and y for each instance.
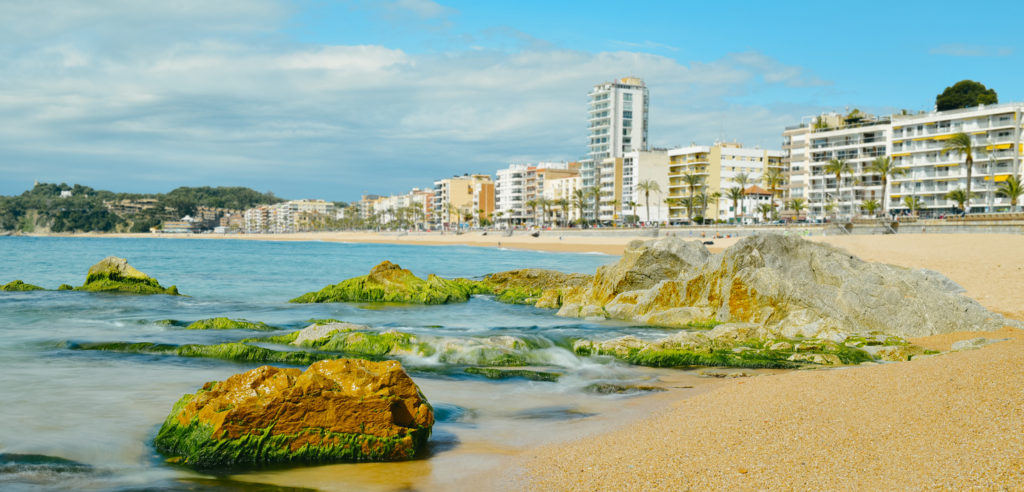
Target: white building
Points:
(620, 179)
(521, 183)
(718, 166)
(564, 188)
(616, 124)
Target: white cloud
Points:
(330, 121)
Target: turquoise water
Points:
(102, 409)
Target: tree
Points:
(579, 200)
(735, 194)
(647, 186)
(1011, 189)
(913, 203)
(961, 144)
(532, 205)
(965, 94)
(742, 180)
(960, 196)
(773, 178)
(595, 193)
(885, 167)
(870, 206)
(564, 205)
(692, 181)
(765, 209)
(838, 167)
(797, 205)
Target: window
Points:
(627, 114)
(627, 97)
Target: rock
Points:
(19, 286)
(236, 351)
(644, 264)
(970, 344)
(781, 346)
(229, 324)
(789, 286)
(65, 287)
(543, 288)
(388, 282)
(113, 274)
(620, 389)
(720, 373)
(318, 331)
(335, 411)
(504, 373)
(823, 359)
(899, 353)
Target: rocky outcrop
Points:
(19, 286)
(229, 324)
(542, 288)
(789, 286)
(388, 282)
(113, 274)
(334, 411)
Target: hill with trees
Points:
(63, 208)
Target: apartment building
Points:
(521, 183)
(619, 181)
(564, 188)
(718, 167)
(617, 123)
(915, 143)
(291, 216)
(457, 197)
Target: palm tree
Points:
(742, 180)
(647, 186)
(885, 167)
(564, 205)
(692, 181)
(797, 205)
(773, 178)
(838, 167)
(961, 197)
(913, 203)
(870, 206)
(595, 193)
(579, 200)
(544, 205)
(532, 205)
(765, 209)
(736, 194)
(707, 199)
(688, 202)
(1011, 189)
(961, 144)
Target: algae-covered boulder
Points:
(229, 324)
(335, 411)
(542, 288)
(113, 274)
(645, 263)
(19, 286)
(388, 282)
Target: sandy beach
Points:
(947, 422)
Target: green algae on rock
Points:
(542, 288)
(237, 352)
(19, 286)
(503, 373)
(222, 323)
(388, 282)
(113, 274)
(65, 287)
(335, 411)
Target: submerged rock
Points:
(236, 351)
(335, 411)
(113, 274)
(506, 373)
(228, 324)
(388, 282)
(19, 286)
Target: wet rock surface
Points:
(334, 411)
(113, 274)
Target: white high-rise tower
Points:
(617, 123)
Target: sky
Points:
(333, 99)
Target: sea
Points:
(85, 420)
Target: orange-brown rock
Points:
(336, 410)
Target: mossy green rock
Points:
(229, 324)
(503, 373)
(335, 411)
(388, 282)
(19, 286)
(542, 288)
(113, 274)
(237, 352)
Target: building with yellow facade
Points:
(716, 169)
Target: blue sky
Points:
(331, 99)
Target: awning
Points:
(999, 179)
